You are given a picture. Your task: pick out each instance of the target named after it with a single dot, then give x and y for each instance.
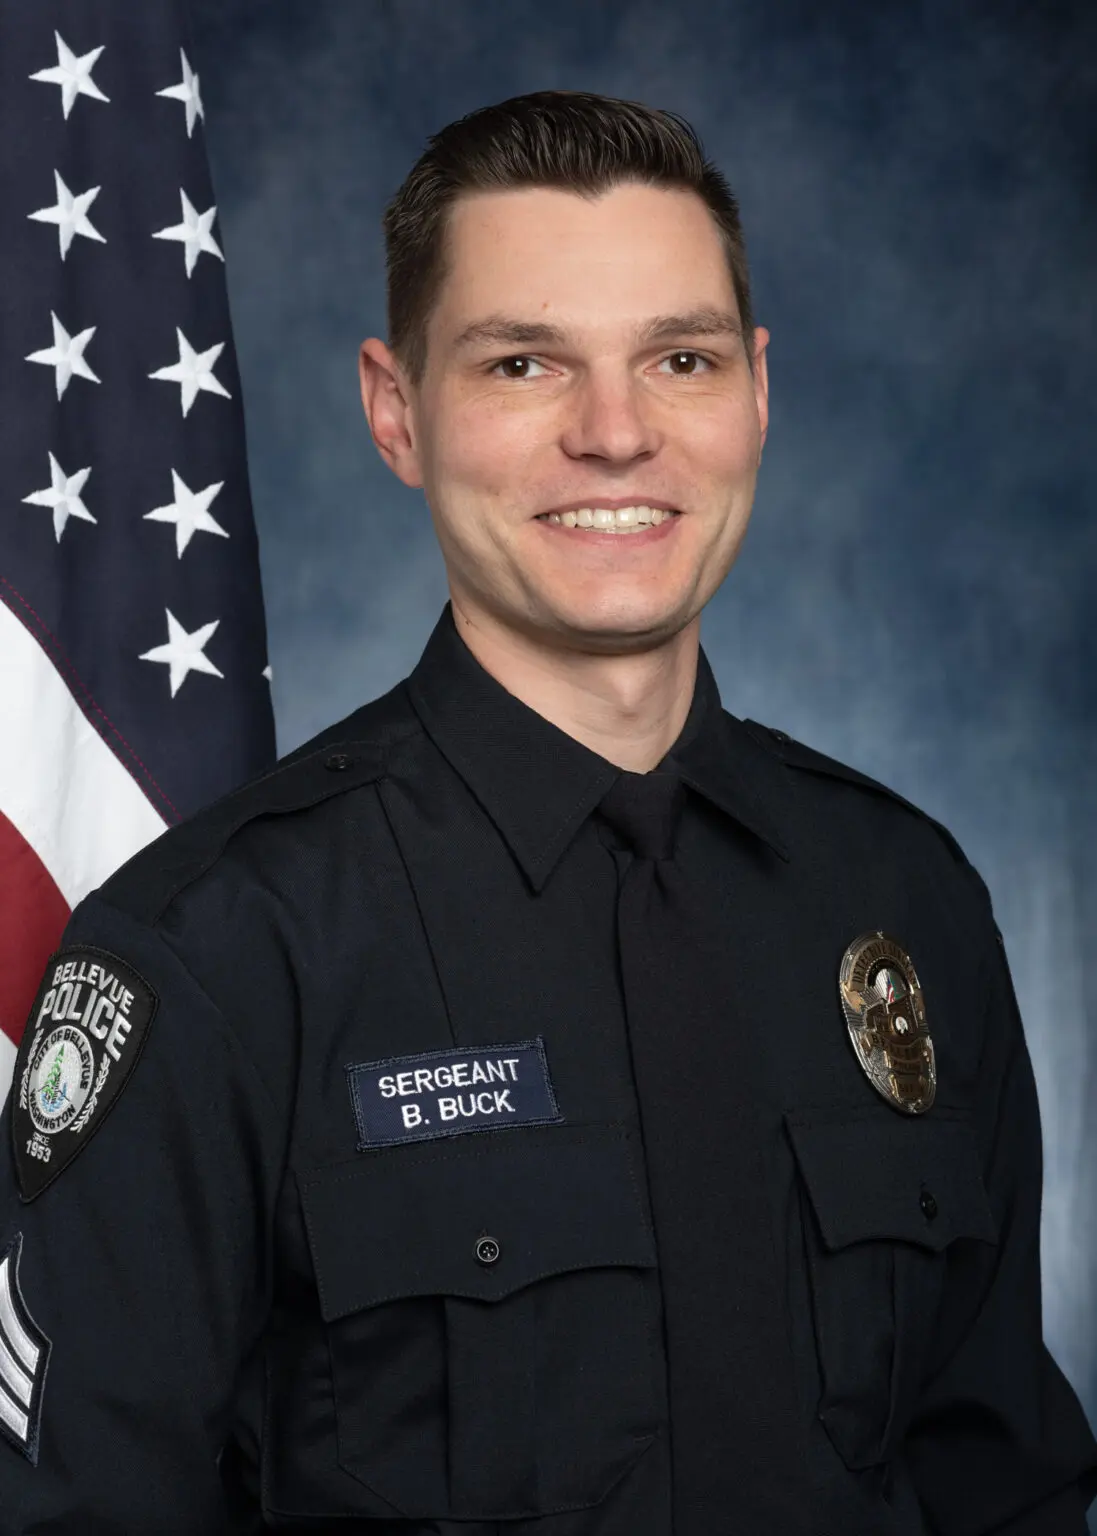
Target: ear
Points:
(761, 384)
(386, 400)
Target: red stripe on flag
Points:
(33, 914)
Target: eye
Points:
(684, 363)
(516, 367)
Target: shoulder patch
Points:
(24, 1355)
(796, 755)
(86, 1030)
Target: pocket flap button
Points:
(928, 1204)
(487, 1250)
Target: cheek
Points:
(722, 442)
(486, 446)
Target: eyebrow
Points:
(500, 330)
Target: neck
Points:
(628, 707)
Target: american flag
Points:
(134, 685)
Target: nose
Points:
(609, 420)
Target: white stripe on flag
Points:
(61, 786)
(7, 1065)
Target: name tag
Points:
(445, 1093)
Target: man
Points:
(545, 1103)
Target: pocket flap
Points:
(406, 1221)
(913, 1179)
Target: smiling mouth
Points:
(636, 519)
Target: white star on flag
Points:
(186, 91)
(70, 214)
(184, 653)
(73, 75)
(66, 356)
(194, 232)
(189, 512)
(193, 371)
(63, 496)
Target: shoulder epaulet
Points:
(797, 755)
(145, 885)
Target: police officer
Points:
(545, 1103)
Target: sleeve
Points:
(999, 1442)
(136, 1276)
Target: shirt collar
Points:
(538, 784)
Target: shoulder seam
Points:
(237, 809)
(785, 747)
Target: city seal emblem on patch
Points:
(82, 1040)
(61, 1075)
(885, 1013)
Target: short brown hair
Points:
(566, 139)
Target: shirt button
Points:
(928, 1204)
(487, 1250)
(337, 762)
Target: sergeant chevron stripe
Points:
(24, 1355)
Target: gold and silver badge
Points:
(886, 1016)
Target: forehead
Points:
(538, 252)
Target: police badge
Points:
(886, 1016)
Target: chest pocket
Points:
(492, 1311)
(883, 1201)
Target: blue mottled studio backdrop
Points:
(915, 595)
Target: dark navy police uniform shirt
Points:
(365, 1237)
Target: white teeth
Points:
(603, 520)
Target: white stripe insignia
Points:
(24, 1355)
